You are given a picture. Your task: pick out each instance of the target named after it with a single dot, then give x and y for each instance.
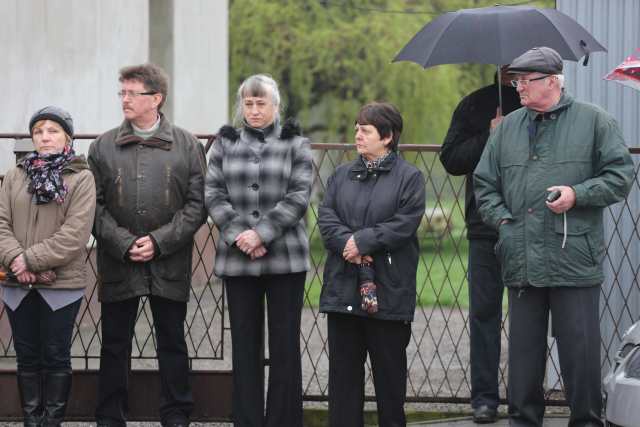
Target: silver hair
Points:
(560, 79)
(260, 85)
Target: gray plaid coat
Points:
(262, 181)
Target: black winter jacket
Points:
(465, 141)
(147, 187)
(382, 209)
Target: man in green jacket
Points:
(544, 179)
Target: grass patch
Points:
(320, 417)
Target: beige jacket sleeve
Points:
(73, 235)
(10, 247)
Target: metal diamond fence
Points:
(438, 354)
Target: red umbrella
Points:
(627, 73)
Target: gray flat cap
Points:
(55, 114)
(538, 59)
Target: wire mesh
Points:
(438, 353)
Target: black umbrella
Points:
(497, 35)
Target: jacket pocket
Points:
(510, 251)
(337, 276)
(577, 259)
(394, 277)
(111, 270)
(176, 267)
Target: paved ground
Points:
(461, 422)
(437, 356)
(467, 422)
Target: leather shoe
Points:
(483, 414)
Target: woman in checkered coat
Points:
(257, 192)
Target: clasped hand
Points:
(142, 250)
(351, 253)
(19, 268)
(250, 243)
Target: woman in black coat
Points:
(368, 220)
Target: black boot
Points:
(30, 388)
(57, 386)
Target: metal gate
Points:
(438, 354)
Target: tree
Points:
(331, 57)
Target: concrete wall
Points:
(68, 53)
(201, 59)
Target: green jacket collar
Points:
(565, 101)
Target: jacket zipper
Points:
(167, 185)
(119, 187)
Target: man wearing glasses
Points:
(150, 202)
(543, 181)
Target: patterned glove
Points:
(369, 297)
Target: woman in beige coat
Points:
(47, 205)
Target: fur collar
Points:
(290, 129)
(229, 132)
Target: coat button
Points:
(349, 308)
(256, 160)
(535, 157)
(30, 286)
(255, 186)
(256, 214)
(530, 210)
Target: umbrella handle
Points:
(583, 45)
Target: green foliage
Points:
(331, 57)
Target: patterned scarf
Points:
(375, 163)
(45, 175)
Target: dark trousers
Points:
(118, 322)
(350, 339)
(577, 331)
(284, 295)
(42, 337)
(485, 322)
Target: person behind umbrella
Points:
(543, 181)
(257, 193)
(370, 213)
(47, 205)
(475, 116)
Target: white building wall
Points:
(201, 59)
(68, 53)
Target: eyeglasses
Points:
(516, 83)
(131, 94)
